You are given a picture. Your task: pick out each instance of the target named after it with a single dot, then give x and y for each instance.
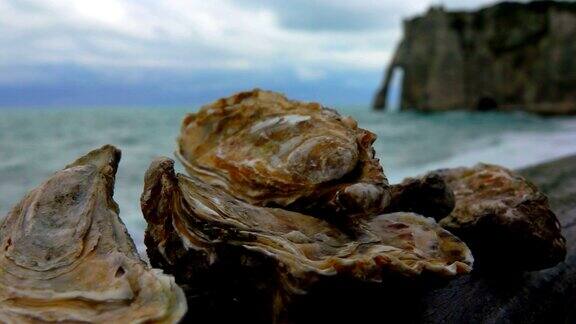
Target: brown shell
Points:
(504, 218)
(271, 151)
(208, 239)
(65, 255)
(428, 195)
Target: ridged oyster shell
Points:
(504, 218)
(65, 255)
(428, 195)
(270, 151)
(227, 253)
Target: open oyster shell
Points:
(228, 254)
(504, 218)
(271, 151)
(65, 255)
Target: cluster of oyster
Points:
(281, 200)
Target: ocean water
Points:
(35, 143)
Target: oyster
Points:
(65, 255)
(270, 151)
(228, 254)
(504, 218)
(428, 195)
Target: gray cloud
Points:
(316, 42)
(224, 34)
(348, 16)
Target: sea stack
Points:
(509, 56)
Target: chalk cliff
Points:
(507, 56)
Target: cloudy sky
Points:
(188, 52)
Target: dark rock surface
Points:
(507, 56)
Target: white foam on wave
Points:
(510, 149)
(34, 144)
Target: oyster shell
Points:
(428, 195)
(504, 218)
(65, 255)
(270, 151)
(228, 254)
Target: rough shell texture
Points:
(428, 195)
(504, 218)
(230, 254)
(65, 256)
(271, 151)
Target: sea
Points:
(34, 143)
